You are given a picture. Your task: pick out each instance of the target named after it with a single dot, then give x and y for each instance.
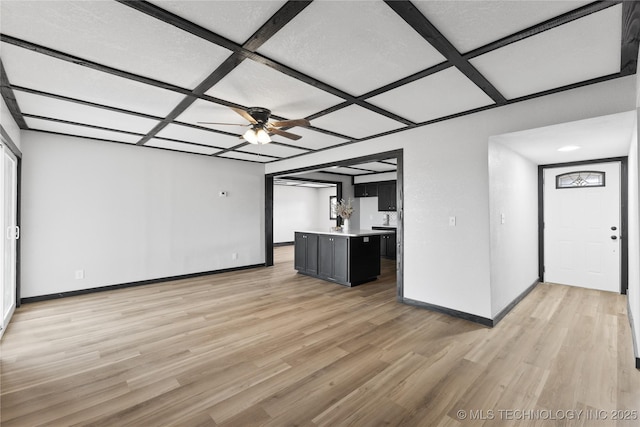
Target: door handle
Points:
(614, 237)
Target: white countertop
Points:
(350, 233)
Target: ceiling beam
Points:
(90, 64)
(10, 98)
(630, 37)
(218, 74)
(412, 16)
(565, 18)
(248, 50)
(273, 25)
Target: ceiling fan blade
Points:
(246, 115)
(290, 123)
(225, 124)
(283, 133)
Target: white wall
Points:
(126, 213)
(299, 208)
(513, 192)
(633, 293)
(446, 174)
(9, 125)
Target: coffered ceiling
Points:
(147, 73)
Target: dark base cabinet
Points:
(306, 253)
(346, 260)
(388, 244)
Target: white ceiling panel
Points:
(188, 134)
(115, 35)
(235, 20)
(205, 111)
(25, 68)
(246, 156)
(356, 122)
(376, 166)
(580, 50)
(311, 139)
(70, 111)
(80, 131)
(472, 24)
(353, 46)
(255, 85)
(438, 95)
(273, 150)
(179, 146)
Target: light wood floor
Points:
(271, 347)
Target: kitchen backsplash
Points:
(369, 215)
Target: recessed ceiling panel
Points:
(580, 50)
(272, 150)
(351, 45)
(311, 139)
(246, 156)
(47, 74)
(188, 134)
(472, 24)
(255, 85)
(73, 112)
(376, 166)
(438, 95)
(236, 20)
(80, 131)
(179, 146)
(356, 122)
(115, 35)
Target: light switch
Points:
(452, 221)
(503, 219)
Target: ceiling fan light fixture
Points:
(263, 136)
(250, 136)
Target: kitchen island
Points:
(347, 258)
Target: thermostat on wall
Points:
(222, 194)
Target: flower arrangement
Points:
(344, 208)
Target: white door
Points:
(582, 226)
(9, 185)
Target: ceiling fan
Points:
(261, 127)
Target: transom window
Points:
(580, 179)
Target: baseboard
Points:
(454, 313)
(132, 284)
(275, 245)
(633, 335)
(515, 302)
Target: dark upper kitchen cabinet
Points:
(369, 189)
(387, 196)
(306, 253)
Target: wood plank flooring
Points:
(271, 347)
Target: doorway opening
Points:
(389, 160)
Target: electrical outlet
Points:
(234, 255)
(79, 274)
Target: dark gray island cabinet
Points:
(346, 258)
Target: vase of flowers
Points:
(344, 209)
